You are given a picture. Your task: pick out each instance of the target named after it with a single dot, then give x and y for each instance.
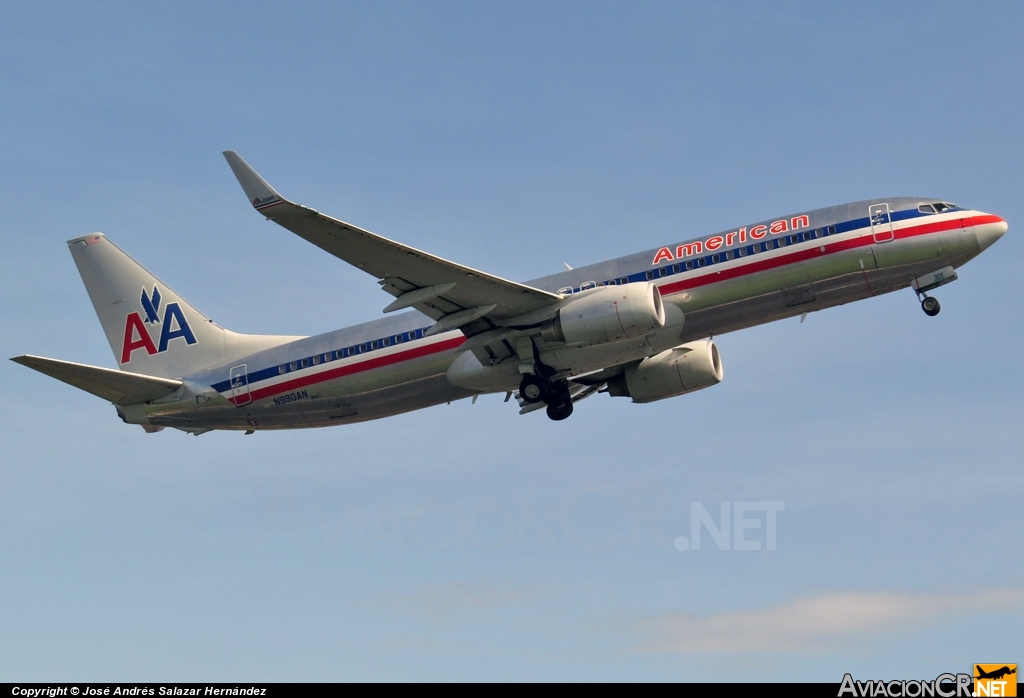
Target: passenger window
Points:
(689, 265)
(294, 365)
(716, 258)
(586, 286)
(831, 230)
(565, 290)
(701, 262)
(283, 368)
(728, 254)
(675, 268)
(662, 271)
(742, 252)
(650, 275)
(623, 281)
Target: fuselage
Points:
(739, 278)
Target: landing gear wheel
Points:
(930, 306)
(533, 388)
(559, 401)
(559, 411)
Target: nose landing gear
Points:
(928, 282)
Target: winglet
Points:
(261, 195)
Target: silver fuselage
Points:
(725, 282)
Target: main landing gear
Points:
(537, 388)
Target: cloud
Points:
(815, 624)
(442, 601)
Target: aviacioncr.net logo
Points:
(942, 686)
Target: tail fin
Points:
(151, 329)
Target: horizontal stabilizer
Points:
(119, 387)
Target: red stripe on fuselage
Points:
(863, 240)
(341, 371)
(750, 267)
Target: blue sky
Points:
(465, 541)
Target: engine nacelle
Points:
(677, 371)
(608, 314)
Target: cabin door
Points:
(239, 385)
(881, 222)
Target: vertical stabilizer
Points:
(151, 329)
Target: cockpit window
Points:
(938, 207)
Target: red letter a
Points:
(132, 326)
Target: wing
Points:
(454, 295)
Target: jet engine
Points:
(677, 371)
(607, 314)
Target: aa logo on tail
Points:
(172, 326)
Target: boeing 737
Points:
(638, 327)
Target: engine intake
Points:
(608, 314)
(677, 371)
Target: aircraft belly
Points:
(372, 394)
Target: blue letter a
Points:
(167, 334)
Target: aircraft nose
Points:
(990, 231)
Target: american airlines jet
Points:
(637, 327)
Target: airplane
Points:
(995, 674)
(640, 326)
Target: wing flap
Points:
(119, 387)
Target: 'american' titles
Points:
(690, 249)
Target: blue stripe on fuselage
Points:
(640, 276)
